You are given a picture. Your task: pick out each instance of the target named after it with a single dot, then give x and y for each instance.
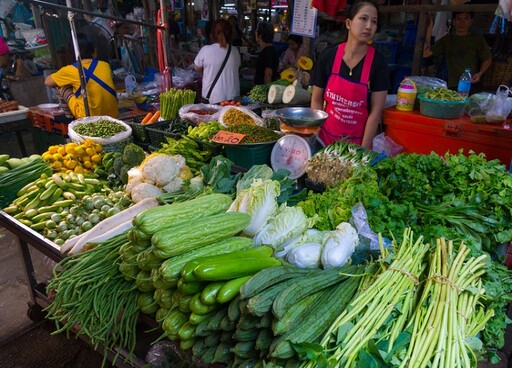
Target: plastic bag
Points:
(220, 115)
(368, 246)
(191, 112)
(479, 103)
(500, 107)
(114, 143)
(424, 84)
(183, 77)
(382, 143)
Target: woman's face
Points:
(364, 24)
(294, 46)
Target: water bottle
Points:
(464, 83)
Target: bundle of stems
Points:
(172, 100)
(448, 310)
(372, 308)
(91, 295)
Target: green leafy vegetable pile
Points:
(461, 198)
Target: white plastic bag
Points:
(111, 143)
(500, 107)
(188, 112)
(382, 143)
(220, 115)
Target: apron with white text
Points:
(346, 102)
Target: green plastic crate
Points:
(248, 155)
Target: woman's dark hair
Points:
(296, 38)
(85, 45)
(471, 14)
(358, 4)
(222, 32)
(266, 31)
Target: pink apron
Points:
(346, 102)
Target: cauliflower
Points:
(180, 160)
(339, 245)
(134, 178)
(159, 169)
(144, 190)
(173, 186)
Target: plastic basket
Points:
(441, 109)
(248, 155)
(157, 132)
(139, 132)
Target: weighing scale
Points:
(291, 152)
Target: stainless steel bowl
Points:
(301, 117)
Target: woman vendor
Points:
(101, 94)
(350, 81)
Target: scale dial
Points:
(291, 152)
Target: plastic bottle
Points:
(464, 83)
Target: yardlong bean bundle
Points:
(92, 294)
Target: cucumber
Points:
(172, 268)
(233, 268)
(231, 289)
(210, 291)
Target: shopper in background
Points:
(219, 63)
(267, 62)
(238, 36)
(461, 50)
(101, 94)
(294, 51)
(350, 81)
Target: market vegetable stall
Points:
(204, 303)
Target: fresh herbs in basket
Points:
(254, 133)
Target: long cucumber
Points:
(188, 270)
(235, 268)
(171, 268)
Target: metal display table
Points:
(39, 300)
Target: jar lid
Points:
(407, 84)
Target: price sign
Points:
(224, 137)
(303, 18)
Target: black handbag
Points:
(207, 99)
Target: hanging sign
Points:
(303, 18)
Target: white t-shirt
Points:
(210, 58)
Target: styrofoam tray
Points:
(20, 114)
